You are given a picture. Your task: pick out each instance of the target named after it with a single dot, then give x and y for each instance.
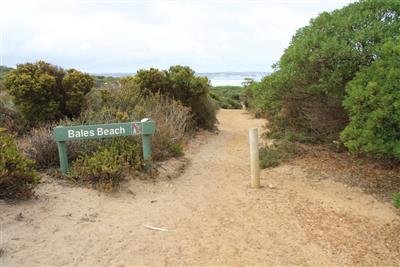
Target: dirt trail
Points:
(213, 217)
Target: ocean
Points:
(231, 78)
(216, 78)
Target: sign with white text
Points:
(62, 134)
(71, 133)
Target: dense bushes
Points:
(181, 84)
(42, 148)
(373, 103)
(335, 74)
(3, 71)
(228, 97)
(49, 96)
(10, 118)
(104, 168)
(43, 92)
(17, 177)
(119, 155)
(306, 90)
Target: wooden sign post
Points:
(62, 134)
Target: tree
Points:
(44, 92)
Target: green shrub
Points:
(173, 122)
(396, 200)
(43, 92)
(95, 99)
(106, 167)
(10, 118)
(228, 97)
(103, 169)
(272, 155)
(373, 102)
(41, 147)
(305, 92)
(3, 71)
(181, 84)
(17, 176)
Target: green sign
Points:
(145, 128)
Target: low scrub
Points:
(17, 175)
(396, 200)
(40, 146)
(10, 118)
(104, 162)
(181, 84)
(106, 167)
(272, 155)
(173, 122)
(229, 97)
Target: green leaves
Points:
(306, 91)
(44, 92)
(373, 101)
(17, 176)
(180, 83)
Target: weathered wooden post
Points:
(254, 158)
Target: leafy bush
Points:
(272, 155)
(103, 169)
(228, 97)
(41, 147)
(181, 84)
(103, 162)
(373, 102)
(172, 119)
(17, 176)
(396, 200)
(43, 92)
(10, 118)
(3, 71)
(306, 90)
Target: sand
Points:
(208, 216)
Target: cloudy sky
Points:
(123, 36)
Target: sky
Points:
(124, 36)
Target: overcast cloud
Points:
(123, 36)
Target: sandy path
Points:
(212, 216)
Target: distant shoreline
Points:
(234, 78)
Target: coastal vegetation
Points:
(36, 97)
(336, 82)
(228, 96)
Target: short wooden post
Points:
(254, 158)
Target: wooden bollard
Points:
(254, 158)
